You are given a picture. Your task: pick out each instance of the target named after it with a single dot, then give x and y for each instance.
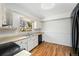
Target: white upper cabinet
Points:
(5, 16)
(16, 20)
(37, 25)
(4, 21)
(0, 15)
(9, 17)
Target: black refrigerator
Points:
(75, 29)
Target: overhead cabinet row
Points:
(9, 18)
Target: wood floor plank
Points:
(49, 49)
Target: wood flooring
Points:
(49, 49)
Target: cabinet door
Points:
(16, 21)
(9, 17)
(19, 43)
(32, 42)
(35, 40)
(35, 43)
(37, 25)
(3, 15)
(0, 15)
(30, 45)
(24, 43)
(35, 37)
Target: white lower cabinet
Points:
(32, 42)
(28, 43)
(22, 43)
(30, 46)
(19, 43)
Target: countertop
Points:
(40, 33)
(16, 36)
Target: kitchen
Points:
(37, 26)
(18, 28)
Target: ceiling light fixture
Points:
(47, 6)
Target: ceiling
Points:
(36, 10)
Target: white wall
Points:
(57, 16)
(58, 31)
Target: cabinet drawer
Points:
(24, 41)
(18, 42)
(25, 45)
(35, 38)
(32, 40)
